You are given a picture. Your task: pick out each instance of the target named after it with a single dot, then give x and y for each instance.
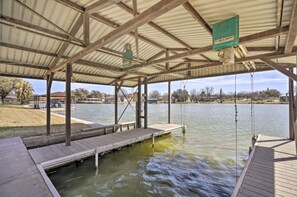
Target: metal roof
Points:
(32, 33)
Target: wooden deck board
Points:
(271, 169)
(58, 154)
(19, 175)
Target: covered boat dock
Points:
(171, 40)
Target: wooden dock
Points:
(58, 154)
(271, 169)
(19, 176)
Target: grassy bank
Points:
(18, 121)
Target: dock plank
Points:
(58, 154)
(271, 169)
(19, 176)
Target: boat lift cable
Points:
(236, 124)
(129, 103)
(182, 104)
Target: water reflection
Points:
(200, 163)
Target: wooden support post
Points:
(68, 105)
(145, 104)
(169, 100)
(96, 158)
(48, 103)
(153, 140)
(291, 107)
(116, 103)
(138, 105)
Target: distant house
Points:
(152, 101)
(284, 98)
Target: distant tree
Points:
(7, 84)
(81, 94)
(209, 91)
(24, 91)
(180, 95)
(194, 95)
(202, 94)
(155, 94)
(95, 94)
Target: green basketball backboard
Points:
(225, 34)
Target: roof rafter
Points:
(242, 40)
(65, 45)
(159, 28)
(48, 21)
(292, 31)
(197, 17)
(99, 5)
(279, 68)
(150, 14)
(108, 22)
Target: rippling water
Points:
(201, 163)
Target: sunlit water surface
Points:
(201, 163)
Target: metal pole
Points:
(48, 104)
(291, 107)
(169, 101)
(116, 103)
(96, 158)
(145, 103)
(68, 104)
(138, 110)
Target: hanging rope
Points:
(236, 121)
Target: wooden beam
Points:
(139, 101)
(279, 68)
(243, 40)
(279, 18)
(68, 105)
(274, 55)
(197, 17)
(145, 103)
(86, 29)
(48, 21)
(291, 108)
(116, 91)
(167, 63)
(31, 26)
(48, 103)
(157, 55)
(99, 5)
(169, 102)
(64, 46)
(291, 37)
(134, 2)
(150, 14)
(155, 26)
(108, 22)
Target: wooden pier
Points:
(58, 154)
(19, 175)
(271, 169)
(22, 171)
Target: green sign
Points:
(225, 34)
(127, 58)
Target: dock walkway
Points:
(19, 176)
(58, 154)
(271, 169)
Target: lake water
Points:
(201, 163)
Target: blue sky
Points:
(262, 80)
